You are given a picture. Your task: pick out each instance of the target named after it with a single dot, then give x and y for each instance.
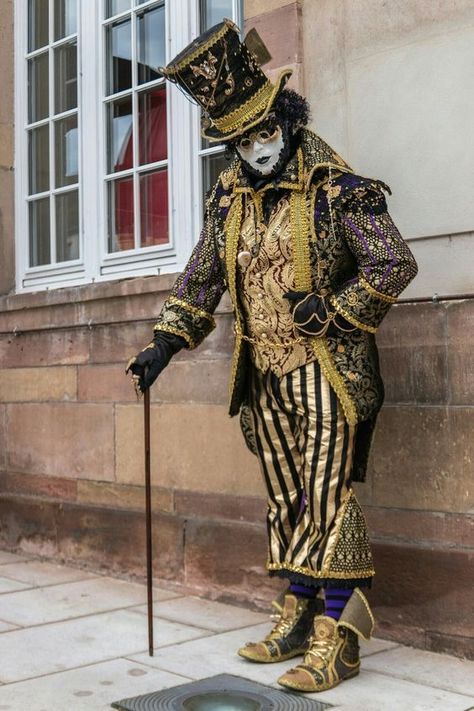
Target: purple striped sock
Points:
(303, 590)
(336, 599)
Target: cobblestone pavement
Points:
(76, 641)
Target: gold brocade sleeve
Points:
(196, 293)
(385, 264)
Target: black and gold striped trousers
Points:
(316, 528)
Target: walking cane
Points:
(149, 544)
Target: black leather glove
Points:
(148, 364)
(312, 315)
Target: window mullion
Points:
(91, 162)
(21, 141)
(136, 177)
(52, 147)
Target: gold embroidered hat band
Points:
(224, 77)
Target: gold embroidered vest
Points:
(270, 274)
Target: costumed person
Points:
(312, 262)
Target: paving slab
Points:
(7, 626)
(438, 670)
(60, 602)
(207, 614)
(375, 646)
(59, 646)
(7, 557)
(91, 688)
(37, 572)
(215, 655)
(371, 691)
(160, 594)
(7, 585)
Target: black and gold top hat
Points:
(221, 73)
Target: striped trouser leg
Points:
(316, 528)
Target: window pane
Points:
(67, 226)
(65, 18)
(65, 77)
(152, 124)
(39, 159)
(38, 34)
(212, 166)
(40, 252)
(65, 146)
(151, 43)
(121, 227)
(113, 7)
(154, 208)
(38, 88)
(214, 11)
(119, 57)
(120, 135)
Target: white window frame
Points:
(95, 263)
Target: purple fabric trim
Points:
(361, 237)
(203, 290)
(191, 269)
(393, 260)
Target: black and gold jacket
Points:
(345, 246)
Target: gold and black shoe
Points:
(333, 653)
(290, 636)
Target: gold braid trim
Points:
(257, 201)
(312, 210)
(177, 332)
(300, 236)
(214, 38)
(192, 309)
(232, 234)
(300, 241)
(383, 297)
(365, 603)
(325, 360)
(247, 110)
(313, 574)
(349, 317)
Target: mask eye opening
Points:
(244, 143)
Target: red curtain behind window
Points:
(153, 185)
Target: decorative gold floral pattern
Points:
(269, 275)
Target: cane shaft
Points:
(149, 541)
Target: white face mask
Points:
(262, 155)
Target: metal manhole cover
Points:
(223, 692)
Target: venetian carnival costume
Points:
(312, 262)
